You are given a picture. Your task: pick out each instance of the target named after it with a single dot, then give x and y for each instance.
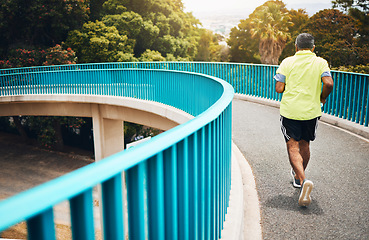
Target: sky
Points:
(229, 7)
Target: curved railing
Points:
(349, 99)
(195, 163)
(178, 184)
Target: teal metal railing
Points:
(184, 173)
(178, 184)
(349, 99)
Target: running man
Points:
(300, 78)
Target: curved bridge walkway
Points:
(338, 167)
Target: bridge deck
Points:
(338, 167)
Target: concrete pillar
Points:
(113, 136)
(108, 134)
(108, 140)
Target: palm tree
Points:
(270, 23)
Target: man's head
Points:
(304, 41)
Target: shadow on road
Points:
(289, 203)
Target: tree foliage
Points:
(96, 42)
(362, 5)
(209, 49)
(53, 32)
(298, 19)
(357, 69)
(151, 56)
(270, 24)
(358, 9)
(336, 38)
(140, 25)
(157, 25)
(56, 55)
(42, 23)
(268, 28)
(341, 37)
(243, 47)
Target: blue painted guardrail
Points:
(178, 184)
(349, 99)
(187, 175)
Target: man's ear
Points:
(313, 48)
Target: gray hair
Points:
(305, 41)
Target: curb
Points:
(251, 207)
(242, 221)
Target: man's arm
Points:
(280, 80)
(327, 88)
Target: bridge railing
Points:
(183, 175)
(349, 99)
(177, 184)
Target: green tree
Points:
(298, 19)
(336, 38)
(118, 30)
(151, 56)
(270, 24)
(158, 25)
(358, 9)
(42, 23)
(141, 34)
(96, 42)
(96, 9)
(348, 4)
(208, 49)
(242, 46)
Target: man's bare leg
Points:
(305, 152)
(296, 159)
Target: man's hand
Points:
(279, 87)
(322, 100)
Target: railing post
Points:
(155, 196)
(41, 226)
(171, 193)
(112, 204)
(193, 185)
(183, 190)
(137, 196)
(82, 216)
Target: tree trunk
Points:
(270, 51)
(21, 131)
(266, 51)
(59, 143)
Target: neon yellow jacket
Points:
(303, 84)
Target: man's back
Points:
(301, 97)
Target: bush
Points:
(36, 57)
(355, 69)
(58, 56)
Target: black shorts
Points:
(299, 129)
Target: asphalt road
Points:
(338, 167)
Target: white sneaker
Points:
(295, 182)
(304, 199)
